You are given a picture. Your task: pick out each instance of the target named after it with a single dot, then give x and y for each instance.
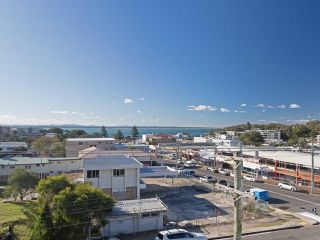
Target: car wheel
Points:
(280, 187)
(292, 189)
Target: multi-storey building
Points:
(74, 145)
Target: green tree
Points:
(248, 126)
(43, 144)
(93, 200)
(55, 130)
(252, 138)
(134, 133)
(68, 211)
(21, 183)
(212, 133)
(118, 135)
(104, 131)
(58, 149)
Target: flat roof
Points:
(111, 162)
(89, 139)
(31, 160)
(129, 207)
(22, 160)
(287, 156)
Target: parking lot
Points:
(189, 201)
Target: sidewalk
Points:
(221, 231)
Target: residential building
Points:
(11, 146)
(161, 138)
(268, 135)
(145, 137)
(42, 166)
(74, 145)
(116, 175)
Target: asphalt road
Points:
(280, 198)
(307, 233)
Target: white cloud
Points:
(128, 101)
(224, 109)
(59, 112)
(201, 108)
(154, 120)
(139, 111)
(282, 117)
(263, 110)
(260, 105)
(113, 102)
(262, 120)
(282, 106)
(142, 99)
(240, 111)
(298, 120)
(294, 106)
(243, 105)
(269, 106)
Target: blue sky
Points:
(183, 63)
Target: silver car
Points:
(288, 186)
(179, 234)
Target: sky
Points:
(205, 63)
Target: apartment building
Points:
(116, 175)
(74, 145)
(43, 167)
(268, 135)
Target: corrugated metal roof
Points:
(22, 160)
(129, 207)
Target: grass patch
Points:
(12, 213)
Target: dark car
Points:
(223, 182)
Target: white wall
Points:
(131, 224)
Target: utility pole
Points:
(237, 230)
(312, 168)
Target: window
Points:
(80, 143)
(118, 172)
(12, 167)
(92, 173)
(2, 167)
(38, 165)
(27, 166)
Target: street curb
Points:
(257, 232)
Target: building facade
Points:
(74, 145)
(116, 175)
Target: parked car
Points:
(179, 234)
(223, 182)
(249, 178)
(224, 172)
(189, 173)
(287, 186)
(207, 179)
(211, 169)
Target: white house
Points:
(116, 175)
